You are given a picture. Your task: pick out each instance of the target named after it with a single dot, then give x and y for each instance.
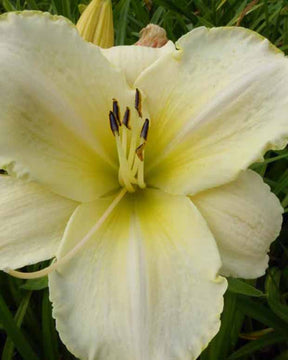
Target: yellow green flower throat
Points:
(130, 143)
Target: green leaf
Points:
(254, 345)
(237, 286)
(283, 356)
(35, 284)
(49, 335)
(32, 4)
(225, 340)
(261, 313)
(12, 330)
(8, 6)
(123, 16)
(273, 294)
(8, 350)
(66, 9)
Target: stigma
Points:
(131, 138)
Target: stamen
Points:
(133, 144)
(144, 136)
(135, 165)
(116, 111)
(124, 141)
(139, 151)
(124, 171)
(138, 104)
(145, 129)
(126, 118)
(138, 168)
(130, 149)
(73, 251)
(140, 175)
(113, 124)
(126, 123)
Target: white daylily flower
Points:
(136, 271)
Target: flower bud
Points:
(153, 36)
(96, 23)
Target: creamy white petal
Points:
(32, 222)
(217, 105)
(145, 287)
(134, 59)
(56, 93)
(245, 218)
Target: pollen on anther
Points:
(116, 111)
(145, 129)
(138, 104)
(139, 151)
(126, 118)
(113, 123)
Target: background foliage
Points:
(255, 319)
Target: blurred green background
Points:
(255, 318)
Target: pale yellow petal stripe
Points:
(219, 103)
(32, 222)
(56, 94)
(245, 217)
(145, 287)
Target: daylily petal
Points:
(56, 93)
(133, 59)
(32, 222)
(147, 285)
(220, 103)
(245, 217)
